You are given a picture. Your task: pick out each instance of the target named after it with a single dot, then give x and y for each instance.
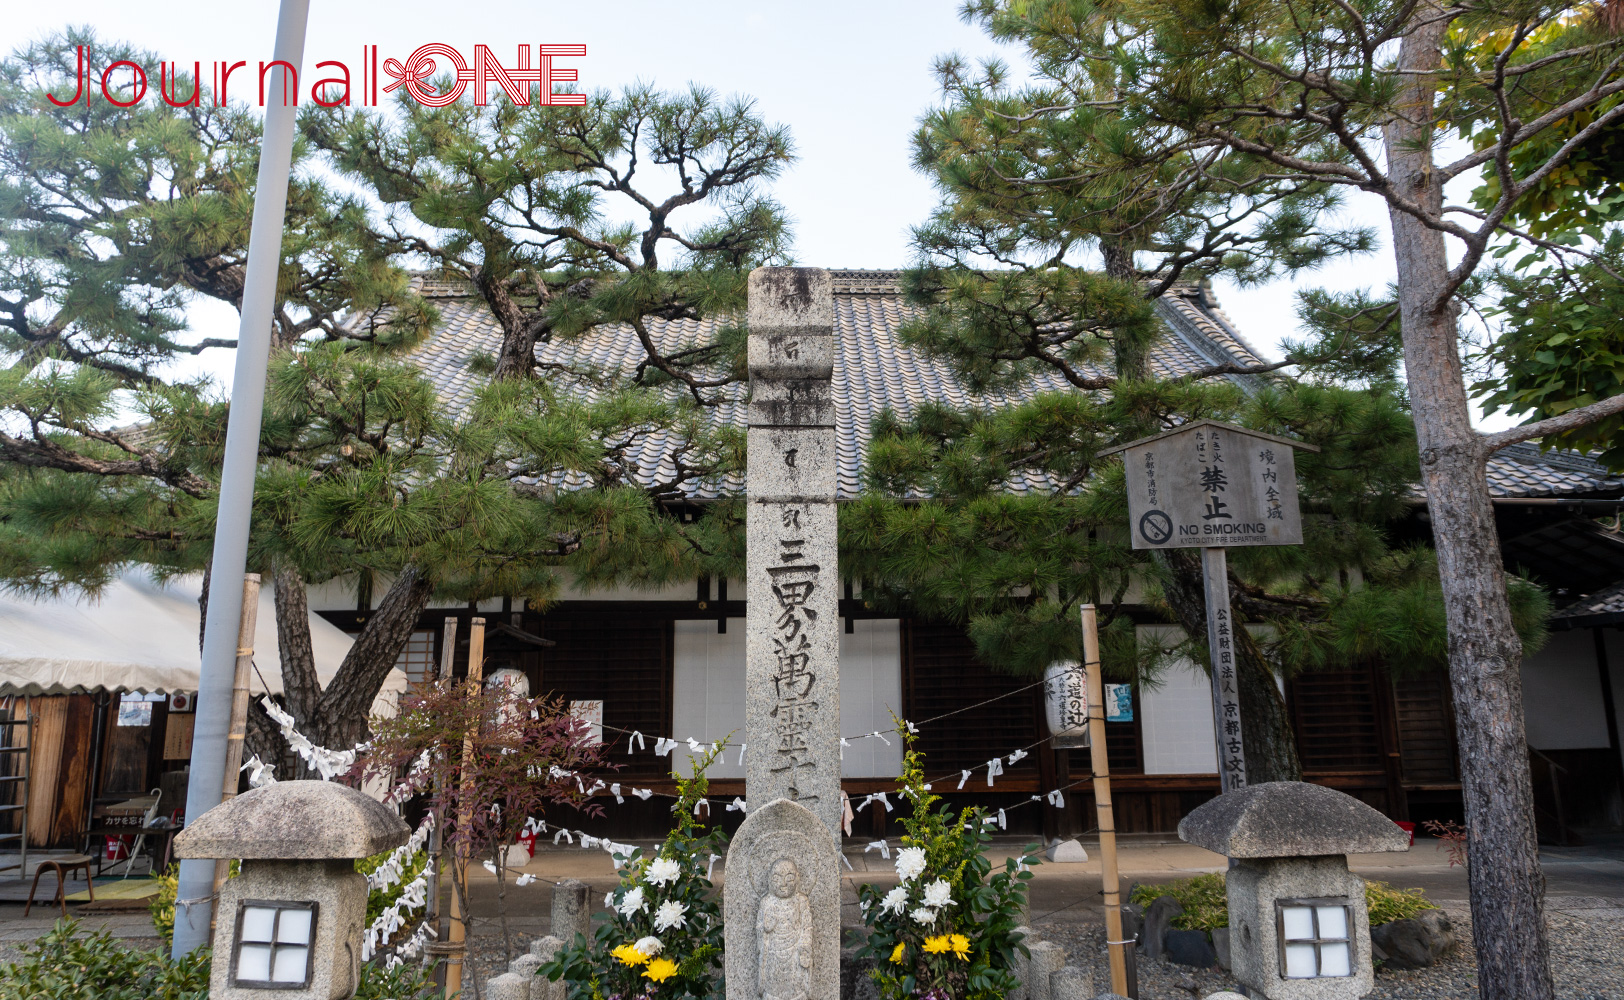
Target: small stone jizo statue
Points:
(784, 933)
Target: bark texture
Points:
(335, 717)
(1266, 734)
(1507, 885)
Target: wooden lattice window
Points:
(417, 659)
(940, 674)
(1426, 728)
(1334, 713)
(620, 660)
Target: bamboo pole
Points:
(448, 656)
(238, 731)
(1117, 948)
(458, 931)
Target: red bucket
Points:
(528, 839)
(1408, 828)
(118, 848)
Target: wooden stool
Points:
(64, 864)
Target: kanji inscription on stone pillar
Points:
(792, 646)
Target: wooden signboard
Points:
(178, 736)
(1211, 485)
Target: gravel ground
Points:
(1587, 957)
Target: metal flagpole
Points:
(1226, 700)
(195, 904)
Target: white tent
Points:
(138, 635)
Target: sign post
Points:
(1213, 486)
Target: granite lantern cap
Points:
(1285, 819)
(294, 821)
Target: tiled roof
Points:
(873, 370)
(1522, 471)
(1609, 601)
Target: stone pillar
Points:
(571, 913)
(792, 646)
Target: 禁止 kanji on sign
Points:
(1211, 485)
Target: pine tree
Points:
(1355, 94)
(115, 219)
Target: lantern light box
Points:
(1298, 926)
(292, 919)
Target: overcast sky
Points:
(850, 79)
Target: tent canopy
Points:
(138, 635)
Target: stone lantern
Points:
(289, 926)
(1298, 926)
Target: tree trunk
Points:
(342, 717)
(1507, 885)
(1266, 734)
(301, 687)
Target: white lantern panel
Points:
(1300, 962)
(290, 964)
(1333, 922)
(257, 923)
(294, 927)
(1334, 960)
(254, 962)
(1297, 923)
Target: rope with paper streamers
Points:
(329, 762)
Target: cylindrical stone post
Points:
(792, 647)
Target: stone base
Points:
(340, 895)
(1254, 885)
(1066, 852)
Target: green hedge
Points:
(1206, 904)
(68, 965)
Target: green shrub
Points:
(68, 965)
(947, 930)
(1387, 904)
(1206, 904)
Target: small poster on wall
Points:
(591, 713)
(134, 710)
(1119, 703)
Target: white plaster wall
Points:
(1562, 706)
(1176, 719)
(709, 692)
(870, 690)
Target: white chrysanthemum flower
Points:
(895, 901)
(910, 863)
(662, 871)
(923, 915)
(649, 947)
(939, 894)
(632, 902)
(670, 914)
(609, 900)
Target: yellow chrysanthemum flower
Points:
(897, 952)
(937, 945)
(660, 970)
(961, 946)
(629, 955)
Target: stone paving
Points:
(1585, 902)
